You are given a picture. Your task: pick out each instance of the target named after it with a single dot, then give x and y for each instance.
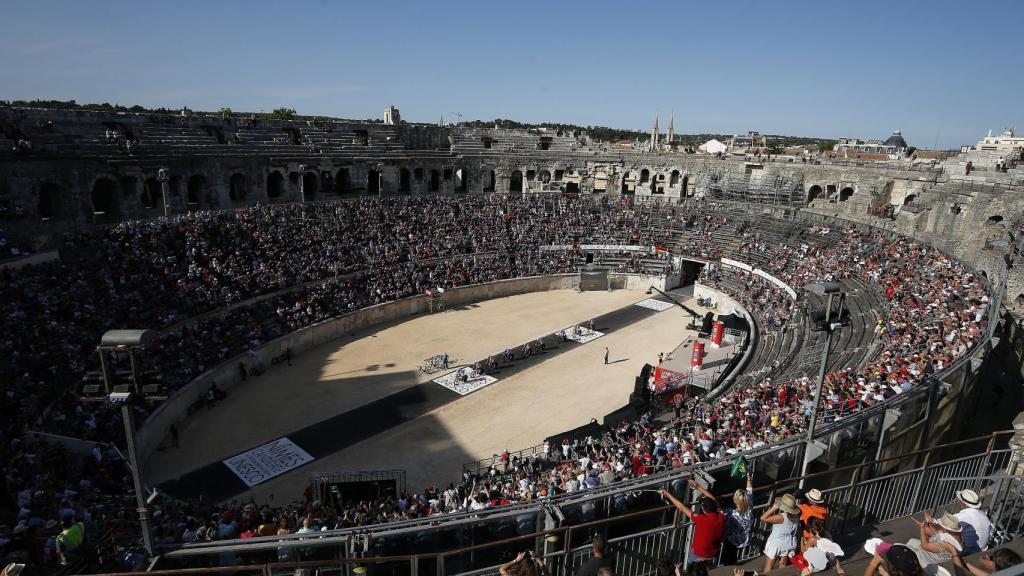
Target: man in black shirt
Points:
(598, 560)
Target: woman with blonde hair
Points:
(738, 520)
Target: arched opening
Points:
(104, 198)
(1019, 300)
(628, 183)
(195, 195)
(673, 179)
(515, 183)
(572, 188)
(152, 196)
(814, 193)
(909, 199)
(310, 185)
(544, 176)
(461, 181)
(435, 181)
(51, 202)
(237, 188)
(845, 194)
(373, 182)
(404, 181)
(342, 182)
(275, 184)
(995, 219)
(684, 189)
(489, 180)
(645, 175)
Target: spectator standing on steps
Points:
(708, 531)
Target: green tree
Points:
(283, 114)
(226, 112)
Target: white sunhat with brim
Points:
(969, 497)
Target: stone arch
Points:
(275, 184)
(404, 181)
(461, 180)
(813, 193)
(515, 181)
(373, 182)
(994, 219)
(628, 182)
(673, 179)
(544, 176)
(645, 176)
(310, 185)
(105, 200)
(238, 188)
(1019, 300)
(910, 198)
(195, 191)
(684, 189)
(490, 179)
(50, 205)
(434, 184)
(152, 195)
(845, 194)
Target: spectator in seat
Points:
(894, 559)
(977, 528)
(939, 541)
(70, 538)
(708, 528)
(994, 561)
(813, 507)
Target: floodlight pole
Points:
(140, 496)
(830, 329)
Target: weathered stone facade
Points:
(80, 173)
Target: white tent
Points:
(713, 147)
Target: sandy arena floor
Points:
(516, 412)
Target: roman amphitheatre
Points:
(306, 343)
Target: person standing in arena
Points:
(606, 355)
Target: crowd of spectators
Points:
(317, 261)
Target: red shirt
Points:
(708, 529)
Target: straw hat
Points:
(787, 503)
(814, 495)
(969, 498)
(950, 523)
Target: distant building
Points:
(893, 146)
(392, 117)
(752, 139)
(1006, 141)
(713, 147)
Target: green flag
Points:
(739, 467)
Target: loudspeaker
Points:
(646, 372)
(639, 387)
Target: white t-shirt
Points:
(981, 524)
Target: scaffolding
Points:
(757, 187)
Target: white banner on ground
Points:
(777, 282)
(265, 462)
(736, 264)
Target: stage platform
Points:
(677, 371)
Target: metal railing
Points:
(923, 480)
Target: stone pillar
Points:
(1016, 465)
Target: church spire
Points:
(671, 132)
(654, 133)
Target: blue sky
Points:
(939, 71)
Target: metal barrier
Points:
(561, 534)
